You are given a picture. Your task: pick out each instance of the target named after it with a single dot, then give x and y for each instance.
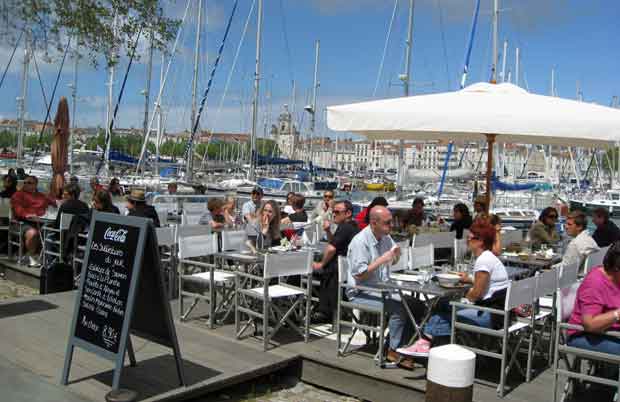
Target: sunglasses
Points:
(339, 211)
(30, 182)
(552, 216)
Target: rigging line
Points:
(443, 42)
(6, 69)
(385, 48)
(228, 80)
(208, 88)
(286, 44)
(49, 106)
(120, 97)
(36, 67)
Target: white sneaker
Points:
(33, 262)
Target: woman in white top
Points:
(489, 280)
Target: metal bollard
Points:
(450, 374)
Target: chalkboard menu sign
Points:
(121, 292)
(103, 304)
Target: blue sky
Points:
(577, 38)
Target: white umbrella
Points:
(482, 111)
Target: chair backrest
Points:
(65, 221)
(595, 259)
(166, 236)
(5, 207)
(287, 264)
(438, 240)
(520, 292)
(511, 236)
(190, 218)
(169, 206)
(194, 208)
(197, 246)
(192, 230)
(460, 249)
(547, 283)
(567, 275)
(122, 207)
(566, 301)
(403, 261)
(422, 256)
(234, 240)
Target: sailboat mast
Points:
(517, 66)
(147, 89)
(504, 60)
(190, 155)
(312, 109)
(495, 40)
(21, 104)
(406, 78)
(160, 118)
(259, 32)
(110, 111)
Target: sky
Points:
(576, 38)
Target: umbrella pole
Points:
(490, 143)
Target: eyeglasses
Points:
(328, 196)
(552, 216)
(470, 237)
(30, 182)
(339, 211)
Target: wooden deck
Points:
(34, 337)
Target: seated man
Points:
(338, 245)
(597, 306)
(137, 206)
(582, 244)
(71, 203)
(606, 232)
(323, 209)
(370, 254)
(299, 214)
(28, 205)
(214, 215)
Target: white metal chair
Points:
(460, 250)
(510, 237)
(354, 311)
(5, 217)
(546, 284)
(518, 292)
(423, 256)
(16, 236)
(166, 240)
(573, 370)
(441, 240)
(234, 240)
(267, 303)
(53, 238)
(403, 263)
(188, 218)
(595, 259)
(192, 230)
(200, 275)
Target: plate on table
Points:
(405, 277)
(278, 249)
(451, 286)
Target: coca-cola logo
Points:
(118, 235)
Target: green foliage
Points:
(50, 22)
(610, 159)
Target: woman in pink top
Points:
(597, 306)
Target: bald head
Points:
(380, 221)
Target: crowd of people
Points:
(365, 240)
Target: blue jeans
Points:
(595, 343)
(400, 328)
(439, 324)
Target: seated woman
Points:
(597, 306)
(267, 227)
(543, 231)
(115, 189)
(462, 219)
(490, 282)
(102, 202)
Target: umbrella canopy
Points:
(482, 111)
(59, 147)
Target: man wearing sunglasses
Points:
(582, 244)
(323, 209)
(338, 244)
(28, 205)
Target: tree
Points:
(49, 23)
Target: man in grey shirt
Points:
(370, 255)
